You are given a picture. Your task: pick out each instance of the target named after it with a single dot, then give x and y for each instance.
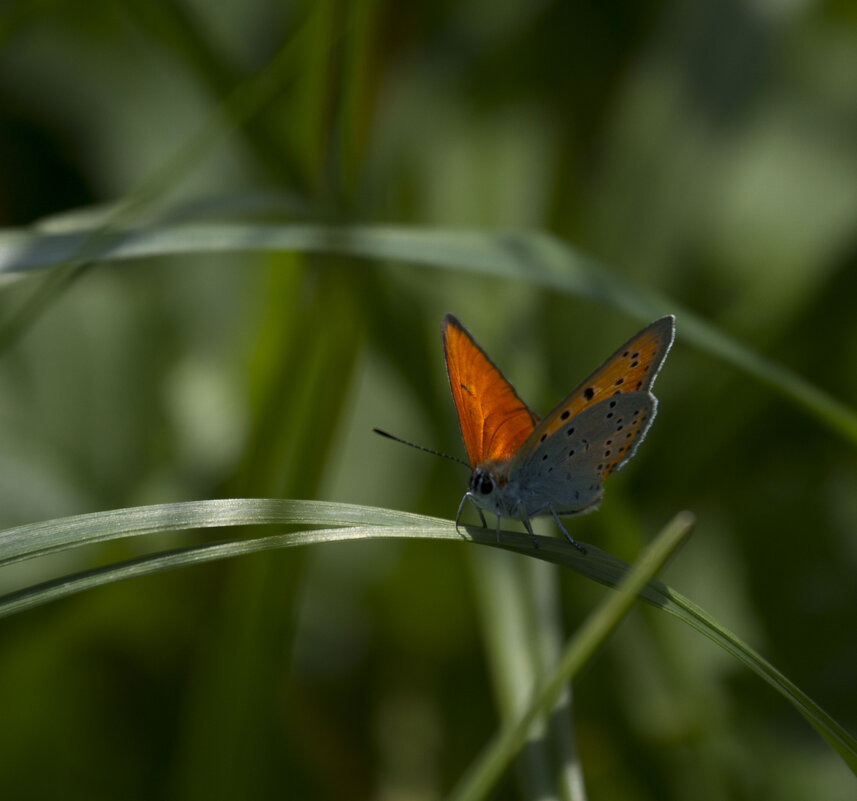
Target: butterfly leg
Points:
(526, 521)
(567, 535)
(458, 514)
(461, 509)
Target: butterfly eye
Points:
(481, 483)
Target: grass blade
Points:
(482, 776)
(538, 258)
(38, 539)
(351, 523)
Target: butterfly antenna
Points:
(420, 447)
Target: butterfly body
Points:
(524, 467)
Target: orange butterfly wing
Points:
(632, 368)
(494, 421)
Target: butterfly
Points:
(525, 467)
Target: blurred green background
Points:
(705, 150)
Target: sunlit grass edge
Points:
(347, 522)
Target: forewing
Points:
(494, 421)
(632, 368)
(567, 469)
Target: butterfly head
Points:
(482, 482)
(489, 486)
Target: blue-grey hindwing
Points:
(565, 472)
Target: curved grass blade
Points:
(483, 775)
(535, 257)
(352, 523)
(38, 539)
(30, 597)
(607, 570)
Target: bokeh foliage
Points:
(706, 152)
